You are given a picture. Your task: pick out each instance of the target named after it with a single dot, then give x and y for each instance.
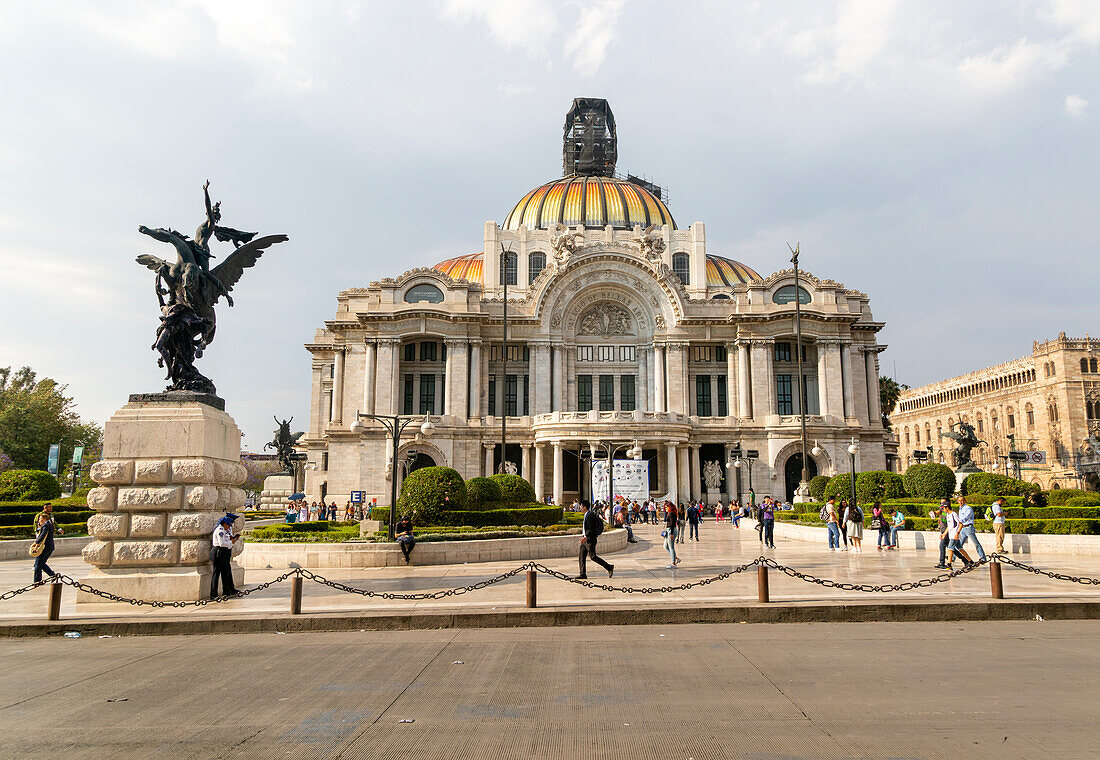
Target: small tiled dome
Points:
(466, 267)
(723, 272)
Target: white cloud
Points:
(515, 90)
(594, 32)
(1004, 68)
(512, 23)
(1075, 106)
(1080, 17)
(863, 31)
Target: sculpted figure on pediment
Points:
(604, 319)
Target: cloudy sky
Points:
(940, 156)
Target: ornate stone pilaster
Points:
(338, 387)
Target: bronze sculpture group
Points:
(284, 443)
(188, 289)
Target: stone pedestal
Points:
(802, 494)
(277, 491)
(960, 476)
(170, 470)
(713, 497)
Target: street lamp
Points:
(611, 448)
(395, 424)
(853, 449)
(737, 457)
(802, 493)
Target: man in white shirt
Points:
(999, 523)
(220, 553)
(954, 528)
(966, 519)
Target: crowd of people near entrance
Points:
(303, 511)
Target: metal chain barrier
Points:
(1082, 579)
(415, 595)
(539, 567)
(644, 590)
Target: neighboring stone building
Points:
(1049, 401)
(622, 327)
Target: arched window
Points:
(993, 421)
(928, 432)
(1029, 410)
(906, 435)
(719, 297)
(1092, 365)
(1084, 365)
(424, 292)
(981, 424)
(916, 432)
(535, 264)
(509, 268)
(681, 266)
(1052, 412)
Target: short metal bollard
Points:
(995, 580)
(532, 588)
(54, 612)
(296, 595)
(762, 583)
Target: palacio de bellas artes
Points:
(622, 325)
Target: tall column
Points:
(731, 476)
(317, 414)
(823, 379)
(675, 377)
(368, 376)
(874, 403)
(457, 373)
(525, 464)
(569, 386)
(659, 393)
(540, 494)
(673, 485)
(846, 379)
(763, 382)
(473, 400)
(696, 488)
(557, 357)
(559, 475)
(338, 388)
(489, 459)
(731, 377)
(540, 369)
(641, 384)
(744, 385)
(683, 466)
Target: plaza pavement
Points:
(640, 565)
(927, 691)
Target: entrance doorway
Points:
(420, 460)
(793, 473)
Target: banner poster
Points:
(78, 455)
(631, 479)
(55, 455)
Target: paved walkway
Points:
(640, 565)
(933, 691)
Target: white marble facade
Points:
(620, 337)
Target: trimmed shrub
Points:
(380, 513)
(430, 492)
(839, 486)
(929, 481)
(818, 484)
(73, 503)
(1059, 496)
(514, 489)
(532, 515)
(1092, 500)
(27, 518)
(481, 491)
(1057, 513)
(879, 485)
(993, 484)
(27, 531)
(28, 485)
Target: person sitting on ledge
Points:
(403, 532)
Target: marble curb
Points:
(63, 547)
(868, 612)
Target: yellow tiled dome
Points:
(594, 202)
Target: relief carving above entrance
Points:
(605, 319)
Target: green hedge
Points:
(871, 485)
(818, 484)
(1059, 496)
(535, 515)
(1065, 526)
(992, 484)
(430, 492)
(27, 518)
(27, 531)
(1084, 501)
(36, 505)
(929, 481)
(514, 489)
(1057, 513)
(27, 485)
(481, 491)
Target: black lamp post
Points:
(804, 483)
(395, 424)
(611, 448)
(504, 363)
(853, 449)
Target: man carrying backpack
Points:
(591, 529)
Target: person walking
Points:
(403, 533)
(952, 532)
(681, 523)
(853, 515)
(897, 523)
(832, 524)
(998, 514)
(693, 518)
(669, 534)
(221, 551)
(941, 527)
(46, 527)
(878, 522)
(966, 520)
(591, 528)
(767, 518)
(652, 512)
(303, 512)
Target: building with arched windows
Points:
(623, 326)
(1049, 401)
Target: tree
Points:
(257, 470)
(37, 413)
(889, 391)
